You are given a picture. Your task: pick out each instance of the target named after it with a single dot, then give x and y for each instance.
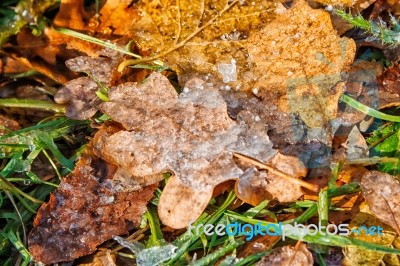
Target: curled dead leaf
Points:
(381, 192)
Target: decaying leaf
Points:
(389, 81)
(80, 93)
(381, 192)
(299, 60)
(358, 256)
(7, 125)
(253, 185)
(356, 146)
(190, 135)
(296, 61)
(288, 255)
(84, 212)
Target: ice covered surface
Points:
(191, 135)
(228, 71)
(148, 256)
(84, 212)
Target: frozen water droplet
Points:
(329, 8)
(228, 71)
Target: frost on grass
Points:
(381, 192)
(190, 135)
(148, 256)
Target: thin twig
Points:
(296, 248)
(178, 35)
(277, 172)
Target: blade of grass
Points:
(10, 197)
(323, 213)
(249, 260)
(33, 104)
(156, 237)
(209, 259)
(91, 39)
(368, 110)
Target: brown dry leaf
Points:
(381, 192)
(299, 61)
(356, 145)
(389, 81)
(84, 212)
(296, 61)
(339, 3)
(80, 94)
(288, 255)
(205, 30)
(253, 185)
(190, 135)
(71, 14)
(361, 85)
(7, 125)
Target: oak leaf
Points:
(81, 93)
(83, 212)
(190, 135)
(296, 61)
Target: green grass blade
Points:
(91, 39)
(33, 104)
(367, 110)
(212, 257)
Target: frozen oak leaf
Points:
(381, 192)
(84, 212)
(299, 62)
(296, 61)
(288, 255)
(189, 134)
(199, 36)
